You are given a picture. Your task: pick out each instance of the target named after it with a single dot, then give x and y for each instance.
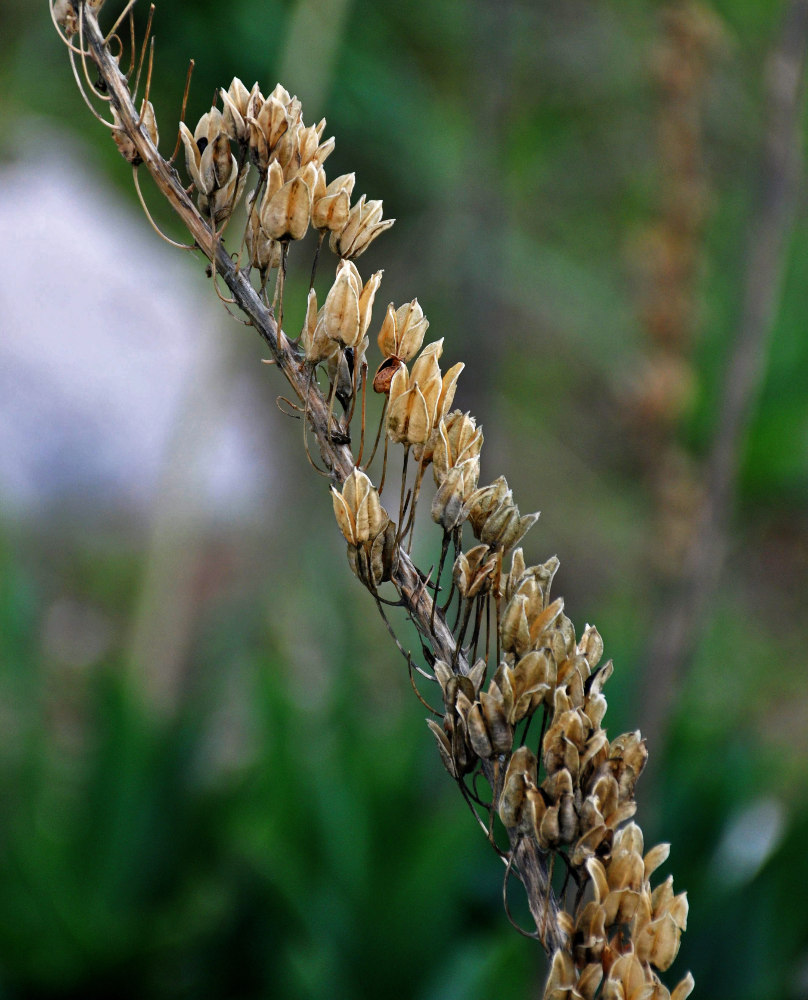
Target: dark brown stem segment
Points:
(337, 457)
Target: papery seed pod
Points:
(287, 214)
(591, 646)
(148, 122)
(266, 123)
(587, 844)
(533, 678)
(663, 901)
(402, 331)
(308, 139)
(658, 942)
(236, 100)
(347, 309)
(341, 365)
(684, 988)
(341, 310)
(447, 504)
(533, 581)
(590, 931)
(219, 205)
(407, 415)
(263, 252)
(198, 158)
(485, 500)
(494, 517)
(625, 870)
(313, 338)
(385, 374)
(459, 439)
(363, 225)
(375, 560)
(473, 571)
(419, 400)
(548, 832)
(499, 730)
(359, 514)
(332, 206)
(561, 979)
(478, 732)
(548, 619)
(656, 857)
(330, 211)
(514, 628)
(519, 776)
(477, 675)
(594, 754)
(589, 981)
(444, 747)
(443, 674)
(533, 810)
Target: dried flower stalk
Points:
(560, 800)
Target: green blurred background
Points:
(215, 779)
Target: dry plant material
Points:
(522, 695)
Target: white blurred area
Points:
(116, 381)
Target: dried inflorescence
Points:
(522, 701)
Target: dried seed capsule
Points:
(448, 504)
(267, 122)
(459, 439)
(385, 373)
(236, 100)
(472, 571)
(363, 225)
(288, 212)
(402, 331)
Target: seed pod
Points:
(499, 731)
(402, 331)
(448, 504)
(332, 206)
(265, 123)
(385, 374)
(236, 100)
(444, 747)
(330, 212)
(459, 439)
(519, 776)
(148, 121)
(363, 225)
(375, 560)
(684, 988)
(288, 212)
(590, 979)
(561, 979)
(473, 570)
(359, 514)
(478, 732)
(588, 843)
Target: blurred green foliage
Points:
(298, 838)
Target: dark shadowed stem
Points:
(337, 457)
(686, 604)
